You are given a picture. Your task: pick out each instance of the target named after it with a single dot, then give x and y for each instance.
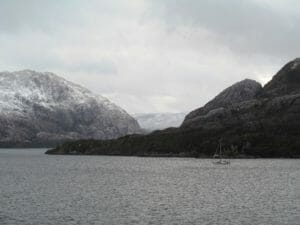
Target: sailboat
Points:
(219, 155)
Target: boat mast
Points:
(221, 145)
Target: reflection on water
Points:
(42, 189)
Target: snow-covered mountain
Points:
(42, 108)
(159, 121)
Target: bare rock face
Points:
(246, 102)
(42, 109)
(286, 81)
(233, 96)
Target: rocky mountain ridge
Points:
(43, 109)
(286, 81)
(232, 96)
(253, 121)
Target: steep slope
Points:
(159, 121)
(253, 122)
(38, 109)
(286, 81)
(229, 98)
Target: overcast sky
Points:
(151, 55)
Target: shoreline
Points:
(48, 151)
(174, 156)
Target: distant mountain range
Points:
(158, 121)
(252, 120)
(43, 109)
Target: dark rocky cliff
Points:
(286, 81)
(233, 97)
(254, 121)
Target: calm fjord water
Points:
(42, 189)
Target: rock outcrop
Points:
(286, 81)
(43, 109)
(253, 121)
(233, 97)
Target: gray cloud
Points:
(251, 27)
(151, 55)
(18, 15)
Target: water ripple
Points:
(37, 189)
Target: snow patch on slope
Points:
(35, 106)
(46, 89)
(159, 121)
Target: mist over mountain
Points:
(158, 121)
(43, 109)
(253, 121)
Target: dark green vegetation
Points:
(254, 121)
